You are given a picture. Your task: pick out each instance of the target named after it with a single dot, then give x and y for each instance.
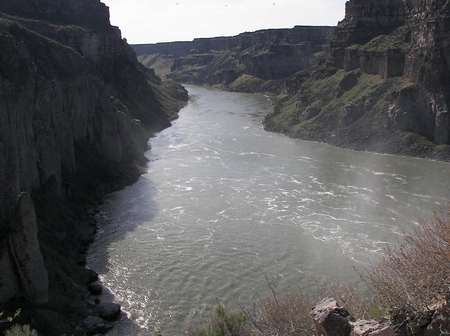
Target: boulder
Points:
(311, 112)
(96, 325)
(349, 81)
(107, 310)
(95, 288)
(371, 328)
(330, 319)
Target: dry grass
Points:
(287, 314)
(415, 273)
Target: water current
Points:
(225, 204)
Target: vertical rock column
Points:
(25, 253)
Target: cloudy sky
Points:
(152, 21)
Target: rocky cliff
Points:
(76, 115)
(239, 62)
(385, 86)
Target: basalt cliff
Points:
(247, 62)
(379, 81)
(77, 110)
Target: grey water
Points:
(225, 204)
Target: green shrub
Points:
(222, 324)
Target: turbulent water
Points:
(225, 205)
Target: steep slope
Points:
(76, 115)
(385, 87)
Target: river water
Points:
(225, 204)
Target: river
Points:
(225, 204)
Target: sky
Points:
(152, 21)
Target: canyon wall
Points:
(265, 55)
(76, 116)
(385, 86)
(402, 38)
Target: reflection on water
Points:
(225, 204)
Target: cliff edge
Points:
(76, 115)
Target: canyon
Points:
(78, 105)
(378, 82)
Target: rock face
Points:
(266, 54)
(76, 115)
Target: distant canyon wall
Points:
(265, 54)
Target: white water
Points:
(225, 204)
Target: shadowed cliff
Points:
(76, 115)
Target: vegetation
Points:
(414, 275)
(9, 318)
(411, 279)
(18, 330)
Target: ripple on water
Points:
(226, 205)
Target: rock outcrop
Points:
(76, 115)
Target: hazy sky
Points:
(151, 21)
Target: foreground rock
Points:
(332, 320)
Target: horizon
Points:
(186, 20)
(213, 37)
